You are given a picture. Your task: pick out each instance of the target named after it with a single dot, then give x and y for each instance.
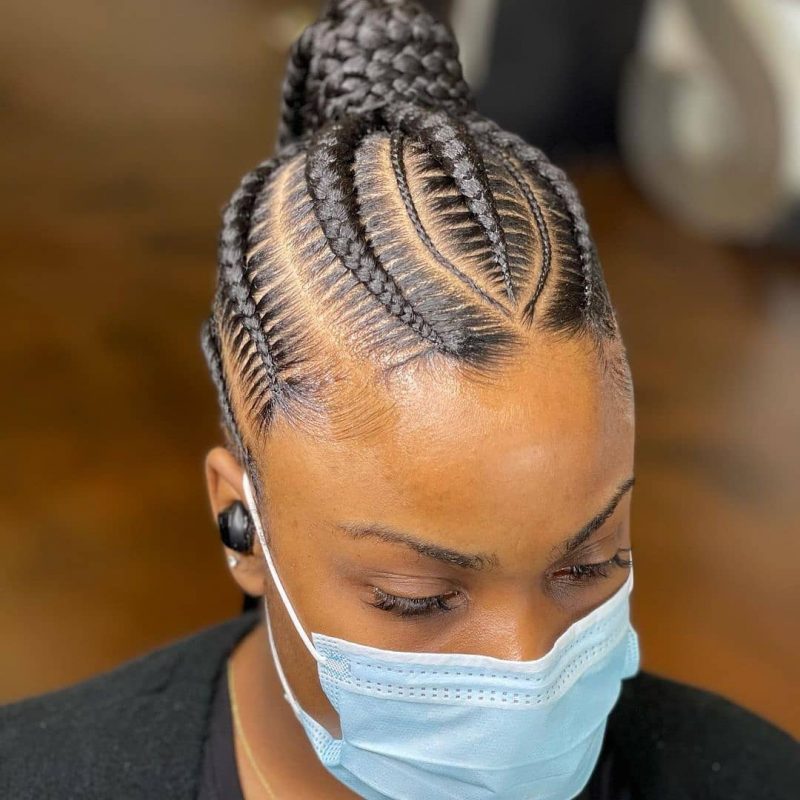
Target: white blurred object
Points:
(473, 24)
(710, 115)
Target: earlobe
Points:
(248, 572)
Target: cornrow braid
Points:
(557, 180)
(209, 338)
(541, 227)
(329, 174)
(233, 275)
(396, 143)
(451, 144)
(234, 284)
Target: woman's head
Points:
(416, 357)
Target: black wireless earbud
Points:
(236, 527)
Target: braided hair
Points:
(393, 223)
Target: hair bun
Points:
(362, 55)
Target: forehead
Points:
(540, 447)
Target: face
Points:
(456, 516)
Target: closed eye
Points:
(588, 572)
(448, 601)
(414, 606)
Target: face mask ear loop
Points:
(287, 691)
(251, 504)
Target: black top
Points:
(139, 733)
(219, 777)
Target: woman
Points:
(427, 479)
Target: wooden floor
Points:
(124, 126)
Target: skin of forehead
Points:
(512, 464)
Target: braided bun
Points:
(364, 55)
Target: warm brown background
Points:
(124, 126)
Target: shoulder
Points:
(134, 732)
(682, 743)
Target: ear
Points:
(224, 477)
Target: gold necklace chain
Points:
(237, 722)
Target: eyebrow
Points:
(387, 534)
(475, 561)
(590, 527)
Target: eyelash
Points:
(422, 606)
(412, 606)
(583, 572)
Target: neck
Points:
(276, 740)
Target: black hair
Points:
(393, 223)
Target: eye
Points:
(587, 572)
(413, 606)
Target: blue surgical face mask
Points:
(452, 726)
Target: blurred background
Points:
(125, 126)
